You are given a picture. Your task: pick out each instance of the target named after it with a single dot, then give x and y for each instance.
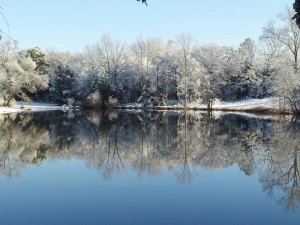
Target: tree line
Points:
(152, 72)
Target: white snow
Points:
(30, 106)
(131, 106)
(268, 103)
(251, 104)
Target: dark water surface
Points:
(148, 168)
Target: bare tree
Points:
(185, 45)
(4, 33)
(283, 43)
(288, 36)
(114, 56)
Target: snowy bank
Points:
(266, 105)
(30, 107)
(251, 104)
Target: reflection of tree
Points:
(63, 132)
(148, 150)
(151, 142)
(185, 175)
(281, 169)
(114, 159)
(148, 142)
(17, 144)
(7, 165)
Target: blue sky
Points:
(73, 24)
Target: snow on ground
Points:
(245, 105)
(8, 110)
(131, 106)
(268, 103)
(251, 104)
(30, 106)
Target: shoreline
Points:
(267, 106)
(30, 107)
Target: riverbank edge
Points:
(268, 106)
(30, 107)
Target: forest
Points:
(152, 72)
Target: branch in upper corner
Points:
(143, 1)
(296, 7)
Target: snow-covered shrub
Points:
(112, 115)
(112, 102)
(94, 99)
(288, 87)
(70, 102)
(61, 87)
(163, 102)
(18, 75)
(11, 102)
(2, 101)
(216, 101)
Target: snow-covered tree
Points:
(145, 58)
(141, 64)
(248, 80)
(241, 72)
(282, 44)
(19, 77)
(63, 71)
(271, 55)
(39, 58)
(287, 34)
(187, 65)
(213, 58)
(166, 72)
(90, 75)
(62, 88)
(113, 55)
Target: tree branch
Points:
(143, 1)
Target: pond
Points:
(149, 168)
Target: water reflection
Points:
(279, 163)
(149, 143)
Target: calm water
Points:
(148, 168)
